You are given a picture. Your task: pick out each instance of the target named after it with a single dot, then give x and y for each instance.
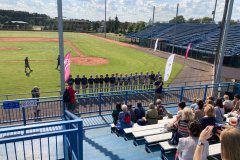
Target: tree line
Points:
(204, 20)
(113, 25)
(36, 19)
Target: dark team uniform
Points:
(84, 84)
(96, 82)
(106, 80)
(90, 83)
(112, 83)
(101, 83)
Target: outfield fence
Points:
(104, 102)
(52, 140)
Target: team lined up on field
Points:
(114, 82)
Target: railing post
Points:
(80, 140)
(126, 97)
(205, 92)
(181, 94)
(100, 104)
(24, 116)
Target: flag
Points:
(188, 48)
(168, 68)
(67, 63)
(156, 44)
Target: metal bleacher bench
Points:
(214, 149)
(154, 139)
(160, 124)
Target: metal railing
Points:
(104, 102)
(103, 89)
(54, 140)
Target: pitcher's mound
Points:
(89, 61)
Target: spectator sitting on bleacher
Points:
(187, 145)
(227, 104)
(194, 105)
(219, 111)
(124, 119)
(209, 118)
(181, 127)
(115, 113)
(199, 113)
(236, 103)
(132, 113)
(230, 144)
(187, 117)
(139, 111)
(162, 112)
(151, 115)
(210, 100)
(181, 106)
(172, 125)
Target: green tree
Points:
(232, 22)
(178, 19)
(116, 25)
(130, 28)
(207, 20)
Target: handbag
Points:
(175, 136)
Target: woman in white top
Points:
(187, 145)
(219, 111)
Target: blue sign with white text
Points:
(11, 104)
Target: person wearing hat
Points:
(36, 94)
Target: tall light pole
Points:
(214, 12)
(105, 22)
(153, 15)
(61, 45)
(175, 28)
(224, 41)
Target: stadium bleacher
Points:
(204, 39)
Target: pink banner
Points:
(67, 63)
(188, 48)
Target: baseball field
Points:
(91, 55)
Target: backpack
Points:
(66, 96)
(127, 118)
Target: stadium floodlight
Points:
(175, 28)
(224, 41)
(214, 12)
(61, 47)
(105, 22)
(153, 15)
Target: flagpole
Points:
(61, 47)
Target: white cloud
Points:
(127, 10)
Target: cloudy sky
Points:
(126, 10)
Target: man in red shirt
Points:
(72, 100)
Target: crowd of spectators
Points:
(194, 127)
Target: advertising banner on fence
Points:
(29, 103)
(67, 63)
(156, 45)
(188, 48)
(11, 104)
(168, 68)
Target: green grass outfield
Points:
(122, 60)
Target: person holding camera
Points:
(230, 144)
